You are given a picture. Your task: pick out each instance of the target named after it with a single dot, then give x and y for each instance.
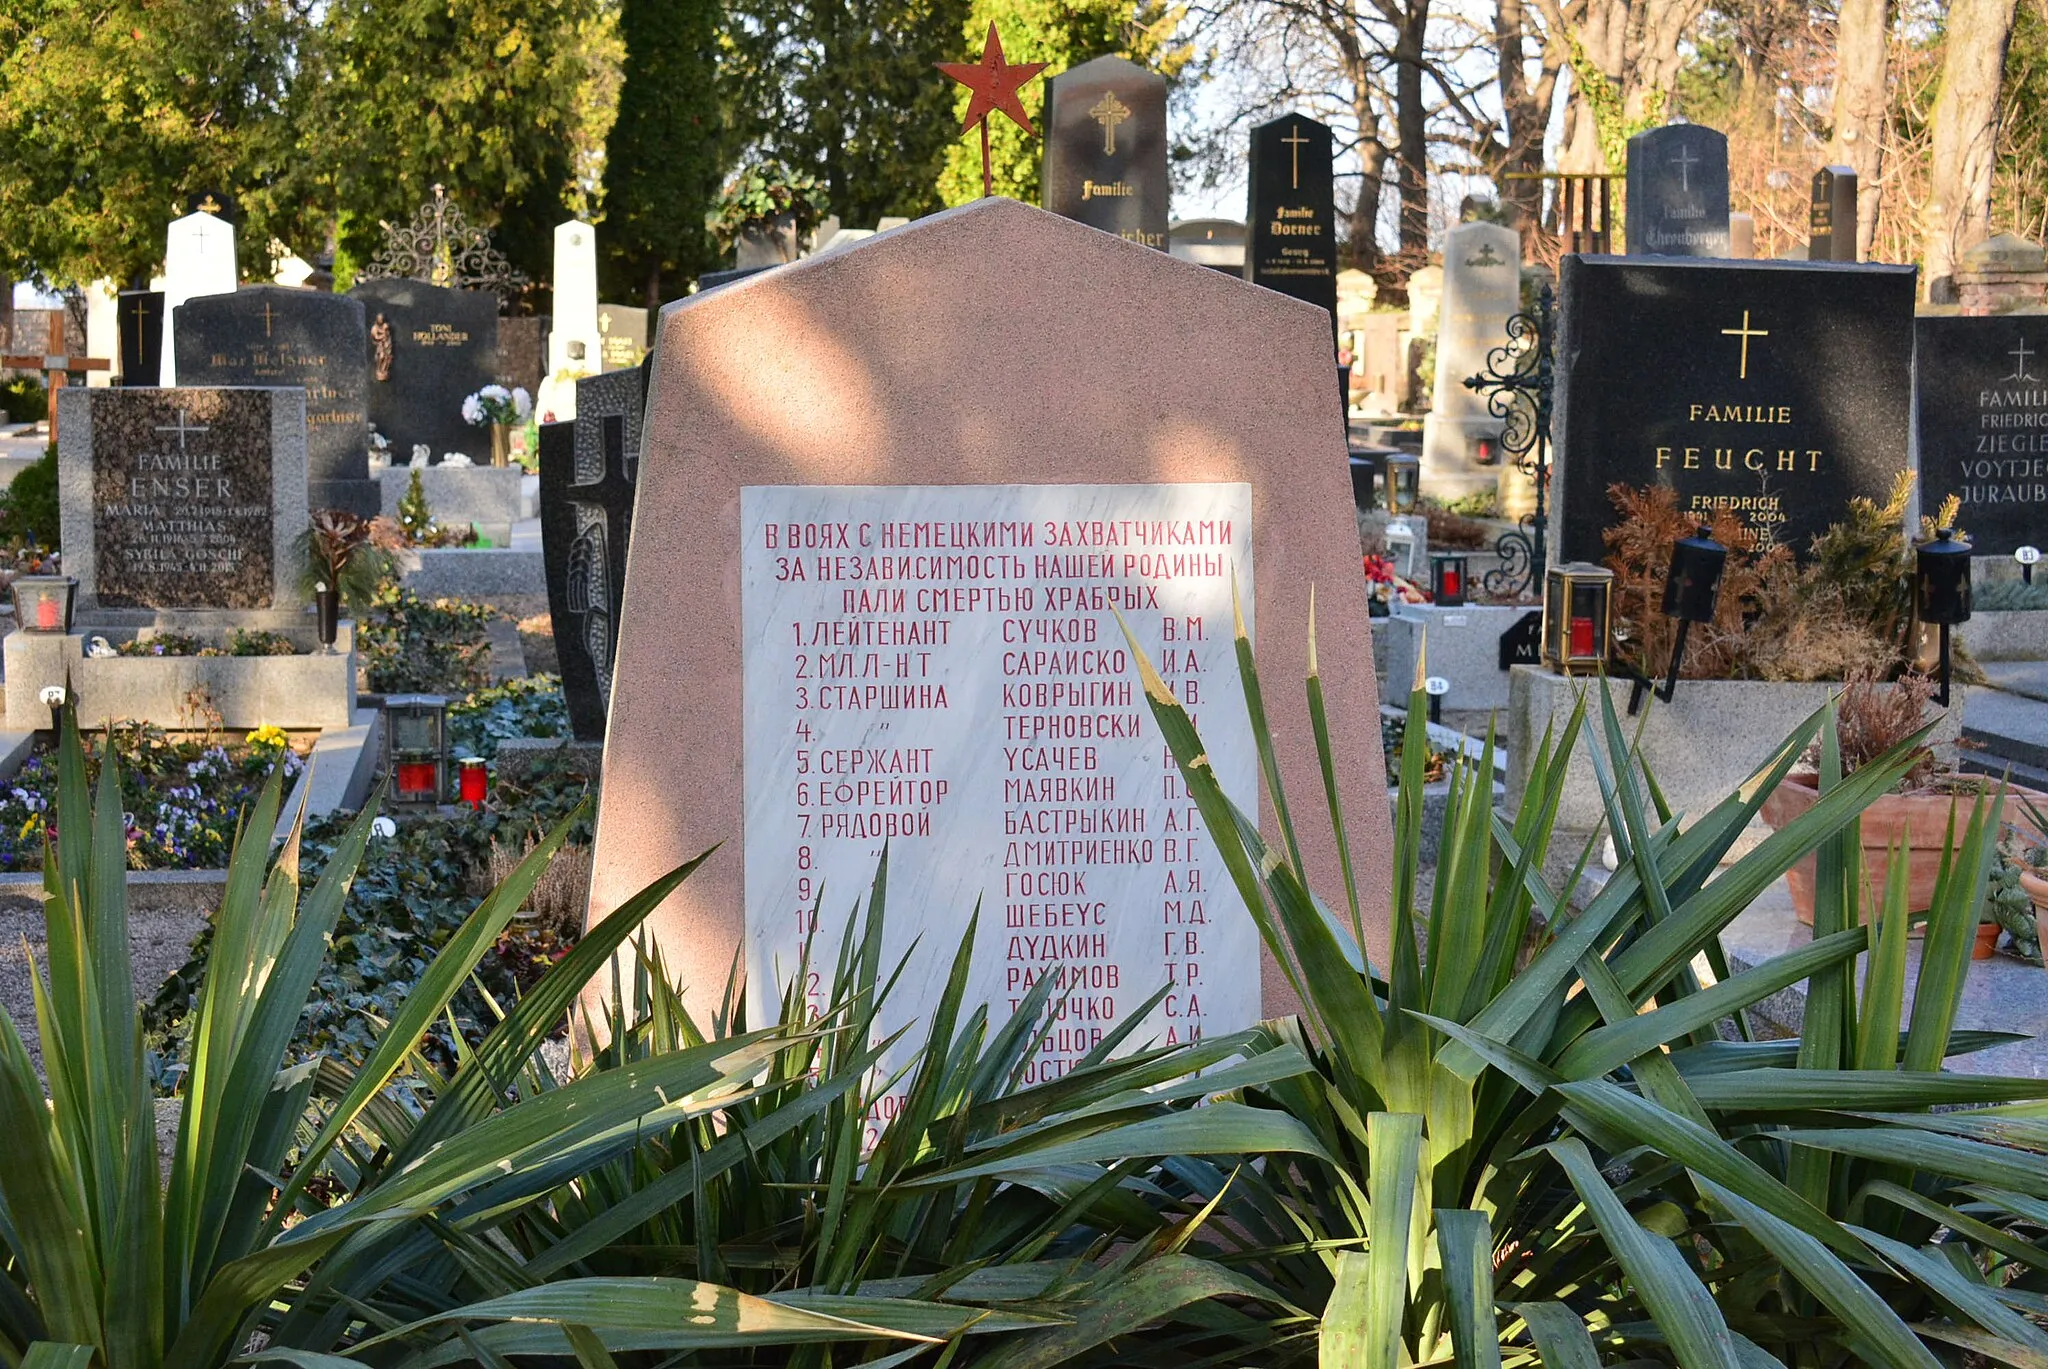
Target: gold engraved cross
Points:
(1294, 142)
(1109, 112)
(1745, 332)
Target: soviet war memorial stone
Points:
(1293, 215)
(589, 470)
(1678, 192)
(1982, 419)
(183, 498)
(1776, 390)
(892, 640)
(1482, 288)
(270, 336)
(1105, 149)
(430, 347)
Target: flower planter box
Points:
(1920, 820)
(307, 690)
(1701, 746)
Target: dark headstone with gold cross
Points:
(1292, 219)
(182, 498)
(1105, 149)
(1778, 390)
(271, 335)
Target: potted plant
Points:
(763, 213)
(1917, 813)
(500, 410)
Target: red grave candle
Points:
(1582, 636)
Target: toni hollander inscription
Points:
(1982, 387)
(939, 670)
(181, 488)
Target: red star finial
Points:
(994, 84)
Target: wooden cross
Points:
(56, 372)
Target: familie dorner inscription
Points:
(940, 670)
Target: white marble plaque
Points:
(940, 668)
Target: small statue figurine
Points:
(380, 347)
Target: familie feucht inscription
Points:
(182, 498)
(1982, 386)
(939, 669)
(1779, 390)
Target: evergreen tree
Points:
(846, 90)
(1064, 33)
(665, 153)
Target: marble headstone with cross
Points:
(877, 593)
(270, 335)
(1678, 192)
(1981, 417)
(589, 469)
(1775, 390)
(183, 498)
(1105, 149)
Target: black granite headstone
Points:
(1293, 216)
(1678, 192)
(141, 316)
(622, 335)
(589, 470)
(443, 348)
(1831, 217)
(1105, 149)
(1778, 390)
(1982, 387)
(272, 335)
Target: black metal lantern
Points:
(1691, 590)
(1941, 591)
(1578, 618)
(42, 603)
(1404, 481)
(416, 747)
(1447, 578)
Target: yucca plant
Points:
(1551, 1160)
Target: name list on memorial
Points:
(182, 498)
(940, 669)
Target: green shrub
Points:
(28, 506)
(25, 400)
(412, 645)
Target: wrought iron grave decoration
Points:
(440, 247)
(1517, 383)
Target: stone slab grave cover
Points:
(271, 335)
(141, 317)
(1105, 149)
(622, 334)
(588, 473)
(1293, 214)
(1982, 423)
(879, 406)
(182, 498)
(444, 348)
(1776, 389)
(1482, 289)
(1678, 192)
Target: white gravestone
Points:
(199, 259)
(940, 668)
(574, 342)
(1482, 288)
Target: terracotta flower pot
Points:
(1921, 819)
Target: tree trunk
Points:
(1965, 139)
(1411, 115)
(1862, 34)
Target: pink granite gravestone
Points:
(888, 499)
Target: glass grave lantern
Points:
(416, 742)
(1447, 578)
(1404, 481)
(1941, 591)
(42, 603)
(1578, 618)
